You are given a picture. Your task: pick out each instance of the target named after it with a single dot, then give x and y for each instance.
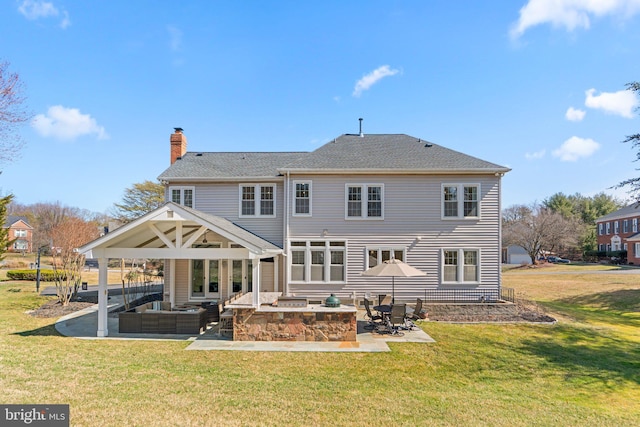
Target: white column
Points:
(103, 296)
(256, 283)
(172, 282)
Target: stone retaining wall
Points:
(436, 310)
(249, 325)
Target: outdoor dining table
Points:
(385, 312)
(383, 309)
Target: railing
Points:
(469, 295)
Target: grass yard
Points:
(583, 371)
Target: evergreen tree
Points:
(5, 243)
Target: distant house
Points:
(22, 232)
(619, 231)
(514, 254)
(310, 223)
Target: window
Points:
(461, 266)
(450, 271)
(453, 206)
(257, 200)
(636, 248)
(379, 255)
(364, 201)
(634, 225)
(616, 227)
(21, 245)
(600, 228)
(608, 225)
(182, 195)
(625, 226)
(318, 261)
(20, 233)
(298, 251)
(302, 198)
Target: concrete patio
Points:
(83, 324)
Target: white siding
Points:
(222, 199)
(412, 219)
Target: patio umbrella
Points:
(393, 268)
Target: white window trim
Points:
(460, 266)
(608, 227)
(625, 226)
(616, 227)
(600, 229)
(634, 225)
(257, 200)
(460, 187)
(293, 197)
(182, 188)
(402, 249)
(364, 202)
(327, 264)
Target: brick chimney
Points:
(178, 145)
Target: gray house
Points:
(309, 223)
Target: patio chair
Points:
(397, 318)
(373, 320)
(384, 299)
(415, 314)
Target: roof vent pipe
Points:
(361, 134)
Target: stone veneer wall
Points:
(249, 325)
(472, 309)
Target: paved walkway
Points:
(84, 324)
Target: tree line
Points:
(563, 224)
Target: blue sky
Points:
(537, 85)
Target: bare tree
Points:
(536, 229)
(12, 113)
(68, 263)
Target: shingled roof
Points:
(625, 212)
(378, 153)
(389, 152)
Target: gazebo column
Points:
(256, 283)
(103, 298)
(172, 282)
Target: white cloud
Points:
(65, 20)
(574, 148)
(175, 38)
(372, 78)
(574, 114)
(535, 156)
(621, 103)
(67, 124)
(36, 9)
(570, 14)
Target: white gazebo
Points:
(175, 232)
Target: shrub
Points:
(31, 275)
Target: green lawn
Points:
(583, 371)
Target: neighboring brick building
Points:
(22, 232)
(619, 231)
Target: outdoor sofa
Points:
(158, 318)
